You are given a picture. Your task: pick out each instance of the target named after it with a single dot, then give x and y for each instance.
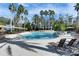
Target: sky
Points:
(34, 8)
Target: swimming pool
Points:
(39, 35)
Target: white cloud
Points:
(25, 5)
(64, 10)
(35, 9)
(5, 13)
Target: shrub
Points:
(56, 27)
(28, 26)
(63, 27)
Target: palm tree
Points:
(51, 17)
(77, 9)
(45, 13)
(12, 9)
(42, 18)
(25, 18)
(36, 20)
(61, 19)
(51, 13)
(41, 12)
(20, 11)
(16, 19)
(70, 20)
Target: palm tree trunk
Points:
(11, 22)
(78, 19)
(24, 26)
(11, 25)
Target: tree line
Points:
(45, 21)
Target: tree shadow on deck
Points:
(22, 45)
(9, 50)
(30, 46)
(53, 49)
(3, 45)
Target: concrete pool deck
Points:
(67, 36)
(31, 47)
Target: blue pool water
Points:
(39, 35)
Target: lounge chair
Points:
(75, 50)
(77, 45)
(61, 48)
(59, 45)
(71, 42)
(68, 49)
